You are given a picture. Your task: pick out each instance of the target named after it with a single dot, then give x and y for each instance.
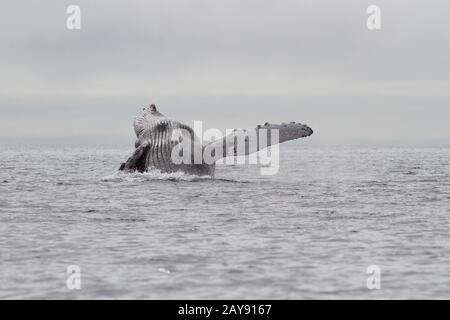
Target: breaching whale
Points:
(158, 137)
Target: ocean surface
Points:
(310, 231)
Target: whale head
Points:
(151, 111)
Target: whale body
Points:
(158, 137)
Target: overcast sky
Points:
(230, 63)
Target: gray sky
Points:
(233, 63)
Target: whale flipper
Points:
(242, 142)
(137, 160)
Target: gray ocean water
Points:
(311, 231)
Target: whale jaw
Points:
(146, 158)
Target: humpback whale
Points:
(157, 140)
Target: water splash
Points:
(153, 174)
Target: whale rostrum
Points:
(159, 138)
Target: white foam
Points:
(152, 174)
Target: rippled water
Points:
(310, 231)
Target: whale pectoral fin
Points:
(137, 160)
(243, 142)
